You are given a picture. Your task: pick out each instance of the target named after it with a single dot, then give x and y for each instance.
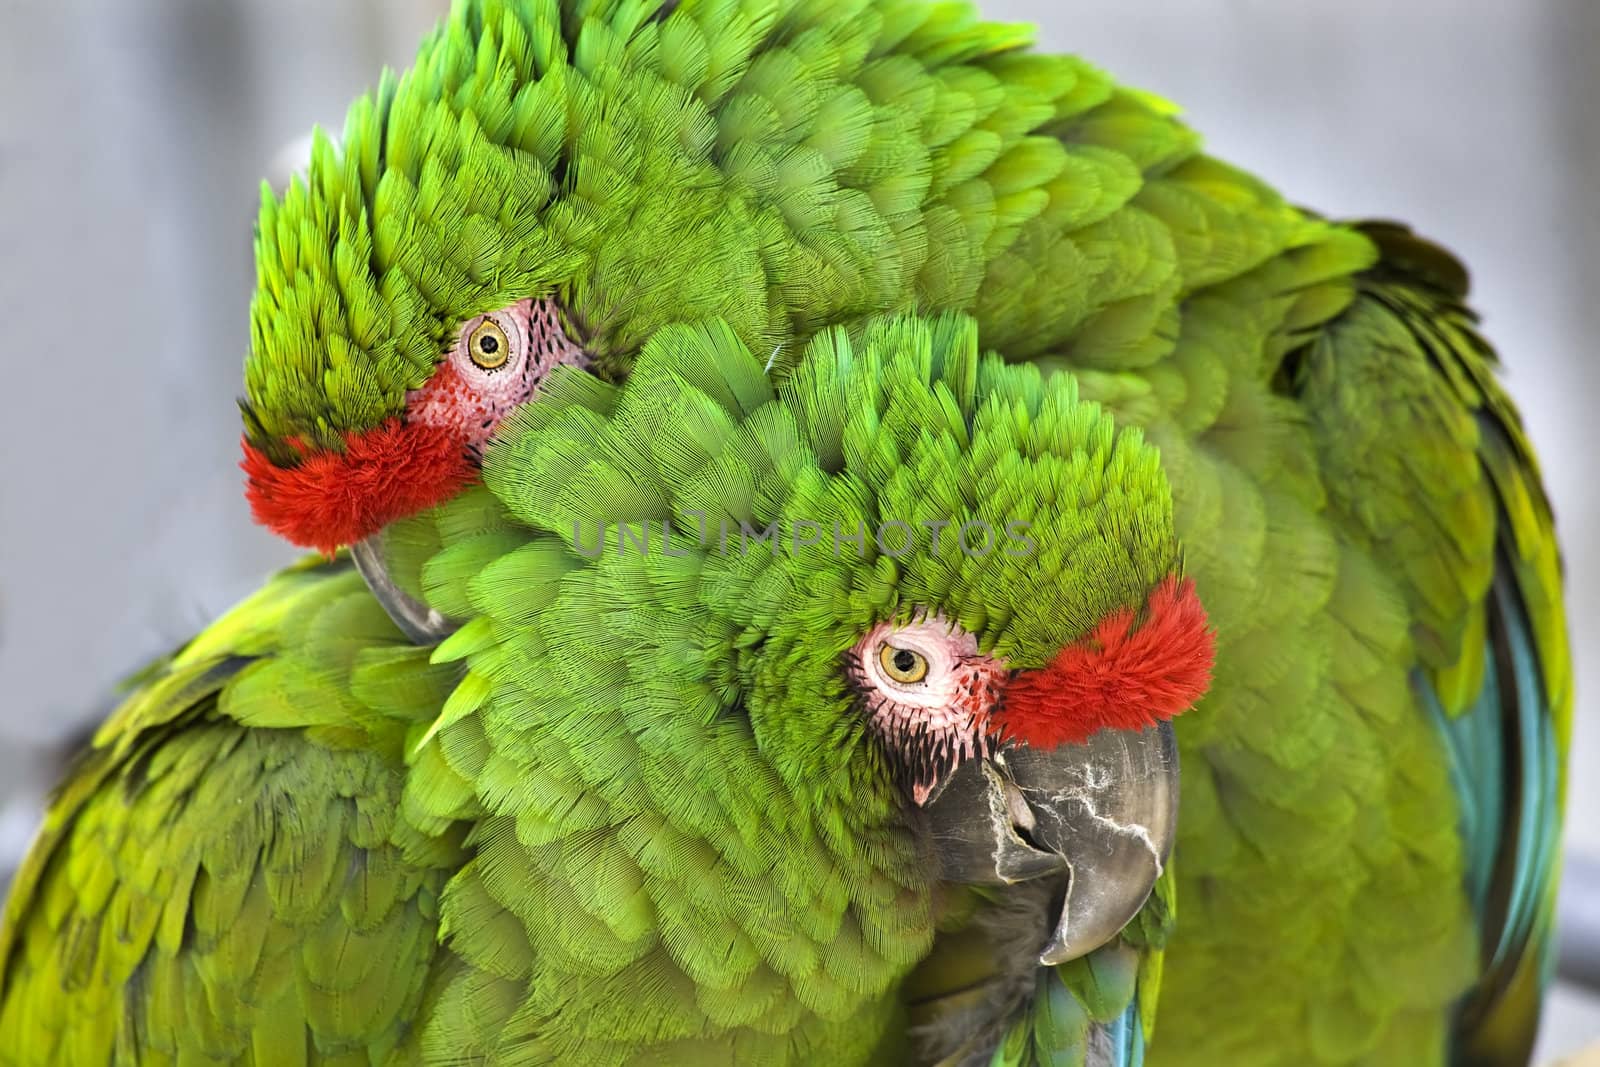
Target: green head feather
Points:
(781, 166)
(894, 474)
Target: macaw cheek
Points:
(422, 624)
(1102, 815)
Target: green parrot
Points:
(698, 801)
(1371, 801)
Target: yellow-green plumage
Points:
(1371, 788)
(225, 872)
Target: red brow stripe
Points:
(1118, 677)
(337, 498)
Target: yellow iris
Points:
(488, 346)
(902, 664)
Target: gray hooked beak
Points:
(1102, 814)
(420, 623)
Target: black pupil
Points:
(904, 661)
(488, 345)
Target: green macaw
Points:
(693, 802)
(1371, 800)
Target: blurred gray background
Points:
(133, 134)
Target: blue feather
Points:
(1476, 749)
(1505, 768)
(1127, 1038)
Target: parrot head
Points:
(542, 188)
(934, 596)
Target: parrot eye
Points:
(914, 663)
(487, 345)
(491, 350)
(498, 361)
(928, 693)
(903, 665)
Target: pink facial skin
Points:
(934, 724)
(470, 400)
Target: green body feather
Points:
(1350, 482)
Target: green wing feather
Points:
(222, 878)
(1483, 578)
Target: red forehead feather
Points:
(337, 498)
(1118, 677)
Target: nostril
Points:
(1017, 806)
